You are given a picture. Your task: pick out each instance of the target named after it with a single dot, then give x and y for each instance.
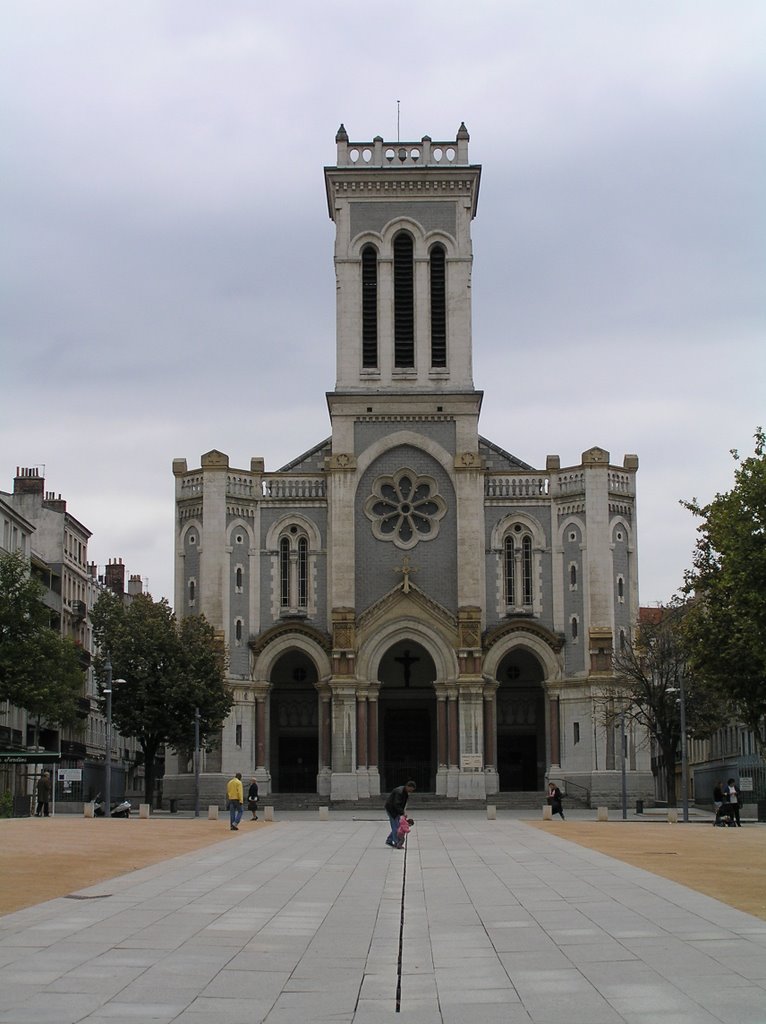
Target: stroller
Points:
(724, 816)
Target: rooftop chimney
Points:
(28, 481)
(114, 576)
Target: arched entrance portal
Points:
(520, 722)
(294, 733)
(407, 724)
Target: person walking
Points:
(394, 806)
(234, 799)
(717, 797)
(733, 795)
(554, 800)
(43, 795)
(252, 799)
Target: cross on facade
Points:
(406, 661)
(405, 569)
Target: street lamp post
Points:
(108, 751)
(196, 762)
(622, 766)
(684, 753)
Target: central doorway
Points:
(407, 731)
(520, 723)
(294, 732)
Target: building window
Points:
(404, 301)
(509, 573)
(238, 579)
(238, 735)
(574, 627)
(284, 572)
(437, 266)
(238, 631)
(621, 589)
(576, 726)
(573, 576)
(294, 570)
(192, 592)
(369, 307)
(518, 569)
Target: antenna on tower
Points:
(397, 120)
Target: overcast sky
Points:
(167, 277)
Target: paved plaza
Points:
(307, 920)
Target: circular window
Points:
(573, 535)
(405, 508)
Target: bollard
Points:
(602, 814)
(212, 812)
(491, 812)
(547, 813)
(144, 810)
(268, 812)
(324, 813)
(673, 815)
(87, 810)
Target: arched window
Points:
(519, 569)
(369, 307)
(294, 571)
(238, 631)
(238, 579)
(437, 267)
(620, 588)
(404, 301)
(192, 592)
(526, 548)
(303, 576)
(574, 627)
(284, 572)
(509, 573)
(573, 577)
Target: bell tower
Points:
(403, 258)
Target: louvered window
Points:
(526, 549)
(404, 302)
(369, 307)
(438, 307)
(510, 570)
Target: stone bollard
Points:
(144, 810)
(547, 812)
(602, 814)
(88, 810)
(268, 812)
(491, 812)
(324, 813)
(673, 815)
(212, 812)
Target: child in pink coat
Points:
(402, 830)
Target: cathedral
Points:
(407, 599)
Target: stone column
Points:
(453, 769)
(555, 733)
(361, 730)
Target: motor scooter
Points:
(119, 810)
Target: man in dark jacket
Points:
(395, 805)
(43, 795)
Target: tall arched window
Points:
(404, 301)
(519, 570)
(437, 267)
(294, 571)
(284, 572)
(369, 307)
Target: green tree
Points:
(651, 671)
(726, 625)
(170, 668)
(40, 670)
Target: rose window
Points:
(405, 508)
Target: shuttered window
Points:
(404, 301)
(437, 266)
(369, 307)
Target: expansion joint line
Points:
(401, 935)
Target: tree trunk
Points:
(150, 751)
(669, 757)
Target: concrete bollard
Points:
(212, 812)
(673, 815)
(268, 812)
(602, 814)
(144, 810)
(88, 810)
(547, 813)
(324, 813)
(491, 812)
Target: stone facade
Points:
(408, 599)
